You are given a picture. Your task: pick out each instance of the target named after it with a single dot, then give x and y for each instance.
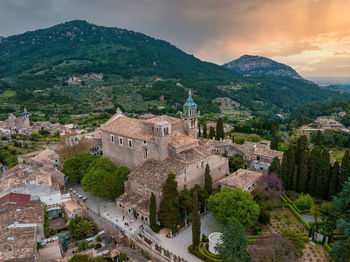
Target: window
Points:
(112, 138)
(185, 179)
(144, 142)
(258, 157)
(130, 142)
(120, 141)
(202, 164)
(120, 205)
(145, 153)
(146, 219)
(129, 210)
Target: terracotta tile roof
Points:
(169, 119)
(71, 206)
(182, 140)
(135, 201)
(154, 173)
(268, 153)
(22, 175)
(128, 127)
(18, 244)
(242, 178)
(46, 156)
(14, 200)
(32, 214)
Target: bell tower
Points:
(190, 114)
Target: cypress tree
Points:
(323, 178)
(290, 167)
(314, 167)
(275, 167)
(220, 134)
(208, 181)
(284, 169)
(169, 211)
(199, 130)
(303, 172)
(232, 138)
(344, 170)
(153, 213)
(205, 131)
(294, 181)
(196, 221)
(318, 141)
(302, 145)
(274, 141)
(333, 183)
(211, 132)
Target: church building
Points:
(154, 148)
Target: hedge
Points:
(198, 252)
(270, 206)
(252, 238)
(338, 236)
(327, 247)
(299, 217)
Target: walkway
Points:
(177, 245)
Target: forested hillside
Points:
(140, 74)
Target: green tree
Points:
(104, 179)
(211, 132)
(344, 170)
(341, 249)
(208, 181)
(186, 202)
(229, 203)
(333, 183)
(153, 213)
(315, 211)
(220, 134)
(80, 227)
(196, 221)
(76, 168)
(314, 170)
(169, 212)
(318, 141)
(288, 166)
(275, 167)
(297, 239)
(234, 243)
(205, 131)
(304, 201)
(323, 179)
(274, 140)
(303, 172)
(199, 130)
(235, 162)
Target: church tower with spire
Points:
(190, 114)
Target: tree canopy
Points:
(104, 178)
(234, 203)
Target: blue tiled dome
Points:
(190, 102)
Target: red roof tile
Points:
(14, 200)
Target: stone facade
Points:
(172, 147)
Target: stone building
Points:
(154, 148)
(325, 123)
(131, 142)
(245, 179)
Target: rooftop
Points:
(22, 175)
(182, 140)
(46, 156)
(15, 200)
(154, 173)
(158, 119)
(17, 244)
(136, 201)
(32, 214)
(71, 206)
(125, 126)
(242, 178)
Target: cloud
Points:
(296, 31)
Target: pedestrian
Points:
(123, 218)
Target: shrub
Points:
(264, 217)
(304, 201)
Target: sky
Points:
(312, 36)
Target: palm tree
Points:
(84, 227)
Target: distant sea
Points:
(326, 81)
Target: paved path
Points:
(177, 245)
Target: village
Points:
(152, 147)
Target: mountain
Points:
(137, 71)
(259, 65)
